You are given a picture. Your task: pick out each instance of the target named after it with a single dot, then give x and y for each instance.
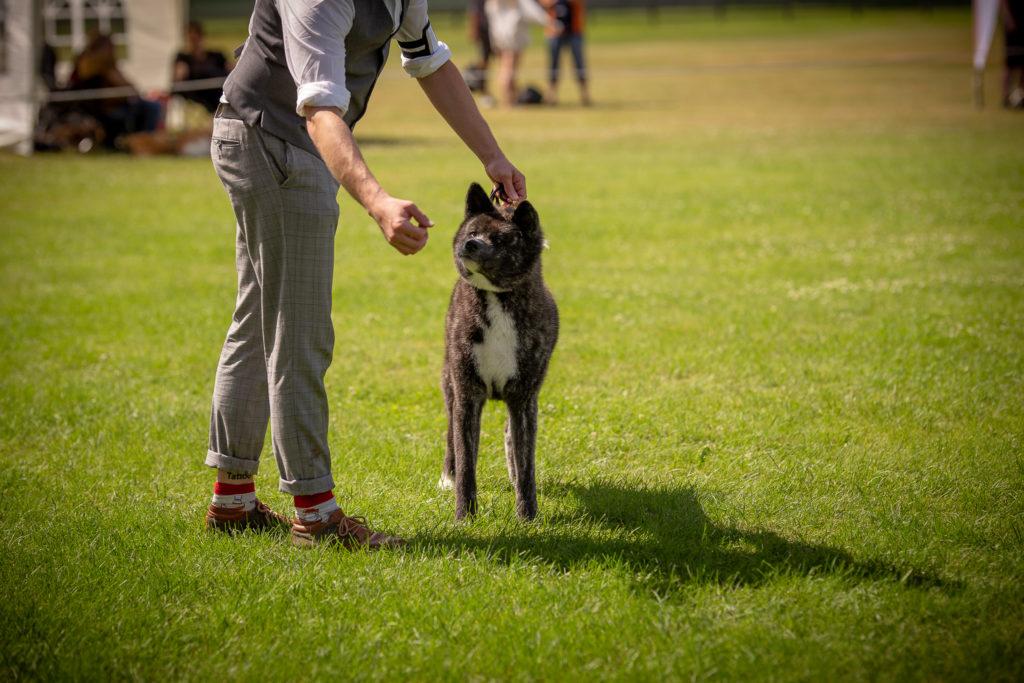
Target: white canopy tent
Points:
(18, 68)
(986, 15)
(156, 30)
(149, 31)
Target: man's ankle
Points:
(315, 508)
(234, 496)
(225, 477)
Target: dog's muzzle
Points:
(474, 249)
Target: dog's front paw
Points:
(445, 483)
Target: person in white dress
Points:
(509, 22)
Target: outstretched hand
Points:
(508, 178)
(395, 218)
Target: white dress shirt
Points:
(314, 46)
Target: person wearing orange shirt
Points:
(566, 30)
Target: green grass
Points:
(781, 438)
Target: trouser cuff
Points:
(230, 464)
(306, 487)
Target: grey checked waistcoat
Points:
(261, 90)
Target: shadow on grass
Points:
(394, 141)
(671, 543)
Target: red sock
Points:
(234, 495)
(316, 507)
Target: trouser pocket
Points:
(230, 150)
(278, 154)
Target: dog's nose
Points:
(473, 247)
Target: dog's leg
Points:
(510, 460)
(523, 417)
(466, 425)
(447, 481)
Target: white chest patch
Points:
(495, 356)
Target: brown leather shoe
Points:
(260, 518)
(351, 532)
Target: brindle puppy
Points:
(500, 331)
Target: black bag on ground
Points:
(530, 95)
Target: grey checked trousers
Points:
(281, 339)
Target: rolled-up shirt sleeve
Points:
(314, 46)
(422, 52)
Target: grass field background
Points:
(781, 438)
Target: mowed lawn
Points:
(781, 437)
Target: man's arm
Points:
(338, 148)
(452, 99)
(314, 46)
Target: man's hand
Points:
(508, 177)
(395, 216)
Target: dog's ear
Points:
(526, 217)
(477, 201)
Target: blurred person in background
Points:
(480, 35)
(510, 34)
(62, 125)
(198, 63)
(96, 67)
(1013, 75)
(565, 29)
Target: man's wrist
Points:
(492, 156)
(374, 200)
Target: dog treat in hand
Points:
(499, 196)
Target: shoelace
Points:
(271, 516)
(355, 526)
